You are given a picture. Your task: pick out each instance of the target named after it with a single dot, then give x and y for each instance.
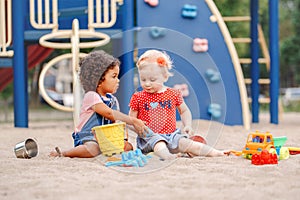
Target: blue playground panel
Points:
(200, 71)
(189, 66)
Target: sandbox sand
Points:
(229, 177)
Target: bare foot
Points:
(226, 153)
(56, 153)
(221, 153)
(190, 155)
(179, 155)
(216, 153)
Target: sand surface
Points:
(229, 177)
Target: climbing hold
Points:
(184, 88)
(214, 110)
(152, 3)
(189, 11)
(157, 32)
(213, 18)
(212, 75)
(200, 45)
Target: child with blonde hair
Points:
(156, 105)
(99, 73)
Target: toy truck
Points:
(257, 142)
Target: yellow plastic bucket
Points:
(110, 138)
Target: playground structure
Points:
(205, 59)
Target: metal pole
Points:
(274, 57)
(254, 56)
(126, 75)
(19, 66)
(75, 63)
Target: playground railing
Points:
(106, 14)
(44, 22)
(5, 28)
(104, 17)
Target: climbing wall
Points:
(203, 66)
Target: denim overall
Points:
(86, 134)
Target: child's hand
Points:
(189, 130)
(140, 127)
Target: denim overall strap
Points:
(92, 122)
(110, 102)
(98, 120)
(95, 120)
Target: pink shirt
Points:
(89, 100)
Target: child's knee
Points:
(184, 144)
(161, 150)
(159, 145)
(93, 148)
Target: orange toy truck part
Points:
(294, 150)
(257, 142)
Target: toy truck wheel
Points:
(247, 156)
(272, 151)
(284, 153)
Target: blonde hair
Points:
(159, 58)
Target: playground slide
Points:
(36, 54)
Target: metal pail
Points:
(26, 149)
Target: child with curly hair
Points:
(156, 105)
(99, 73)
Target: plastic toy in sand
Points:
(196, 138)
(259, 142)
(264, 158)
(112, 138)
(130, 159)
(294, 150)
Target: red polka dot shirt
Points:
(158, 110)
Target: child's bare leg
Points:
(198, 149)
(87, 150)
(161, 150)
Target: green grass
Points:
(294, 107)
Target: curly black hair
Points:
(93, 68)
